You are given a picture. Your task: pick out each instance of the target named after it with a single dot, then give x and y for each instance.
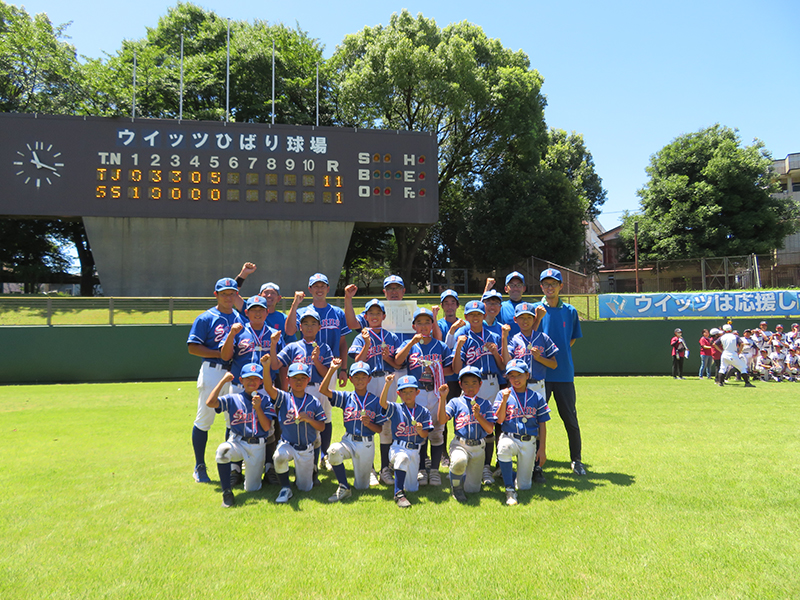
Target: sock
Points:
(399, 481)
(284, 477)
(316, 457)
(489, 450)
(224, 475)
(508, 473)
(325, 438)
(385, 455)
(199, 441)
(423, 454)
(455, 480)
(436, 456)
(341, 477)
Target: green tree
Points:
(567, 154)
(481, 100)
(708, 195)
(31, 251)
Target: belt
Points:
(426, 385)
(360, 438)
(299, 447)
(469, 442)
(253, 440)
(409, 445)
(378, 373)
(523, 438)
(311, 384)
(534, 381)
(214, 365)
(488, 376)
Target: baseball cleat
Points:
(227, 499)
(487, 476)
(236, 478)
(577, 468)
(422, 478)
(271, 477)
(315, 478)
(341, 494)
(373, 478)
(538, 475)
(284, 495)
(401, 500)
(511, 497)
(200, 475)
(435, 478)
(458, 493)
(386, 477)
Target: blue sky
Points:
(630, 76)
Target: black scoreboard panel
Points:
(76, 166)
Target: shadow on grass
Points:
(563, 483)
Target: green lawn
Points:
(692, 492)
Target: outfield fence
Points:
(57, 310)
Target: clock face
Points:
(38, 164)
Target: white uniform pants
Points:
(468, 461)
(509, 447)
(253, 455)
(489, 388)
(361, 453)
(303, 463)
(208, 378)
(405, 459)
(730, 359)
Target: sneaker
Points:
(428, 464)
(271, 477)
(373, 478)
(315, 478)
(498, 472)
(538, 475)
(511, 497)
(577, 468)
(445, 461)
(487, 476)
(200, 475)
(284, 495)
(435, 479)
(458, 493)
(341, 494)
(401, 500)
(386, 477)
(227, 499)
(422, 478)
(748, 384)
(236, 478)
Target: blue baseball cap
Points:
(270, 286)
(252, 370)
(474, 306)
(551, 273)
(317, 277)
(422, 311)
(256, 300)
(299, 369)
(310, 312)
(375, 302)
(446, 293)
(393, 279)
(226, 283)
(469, 371)
(492, 294)
(516, 274)
(524, 308)
(360, 367)
(517, 366)
(407, 381)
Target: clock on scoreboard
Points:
(92, 166)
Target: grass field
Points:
(692, 492)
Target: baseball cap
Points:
(474, 306)
(256, 300)
(375, 302)
(446, 293)
(678, 330)
(516, 274)
(226, 283)
(270, 286)
(422, 311)
(778, 326)
(407, 381)
(469, 371)
(714, 331)
(762, 323)
(310, 312)
(552, 273)
(492, 294)
(299, 369)
(727, 327)
(524, 308)
(317, 277)
(252, 370)
(360, 367)
(517, 366)
(393, 279)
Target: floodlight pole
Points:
(636, 252)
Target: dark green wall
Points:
(156, 352)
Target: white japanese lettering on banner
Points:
(712, 304)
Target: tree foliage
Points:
(708, 195)
(567, 154)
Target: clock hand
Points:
(39, 164)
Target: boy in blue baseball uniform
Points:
(534, 347)
(207, 333)
(429, 361)
(301, 418)
(522, 414)
(375, 346)
(250, 416)
(561, 323)
(473, 420)
(361, 411)
(515, 288)
(410, 425)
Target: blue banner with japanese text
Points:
(700, 304)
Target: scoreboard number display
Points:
(76, 166)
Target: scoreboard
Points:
(91, 166)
